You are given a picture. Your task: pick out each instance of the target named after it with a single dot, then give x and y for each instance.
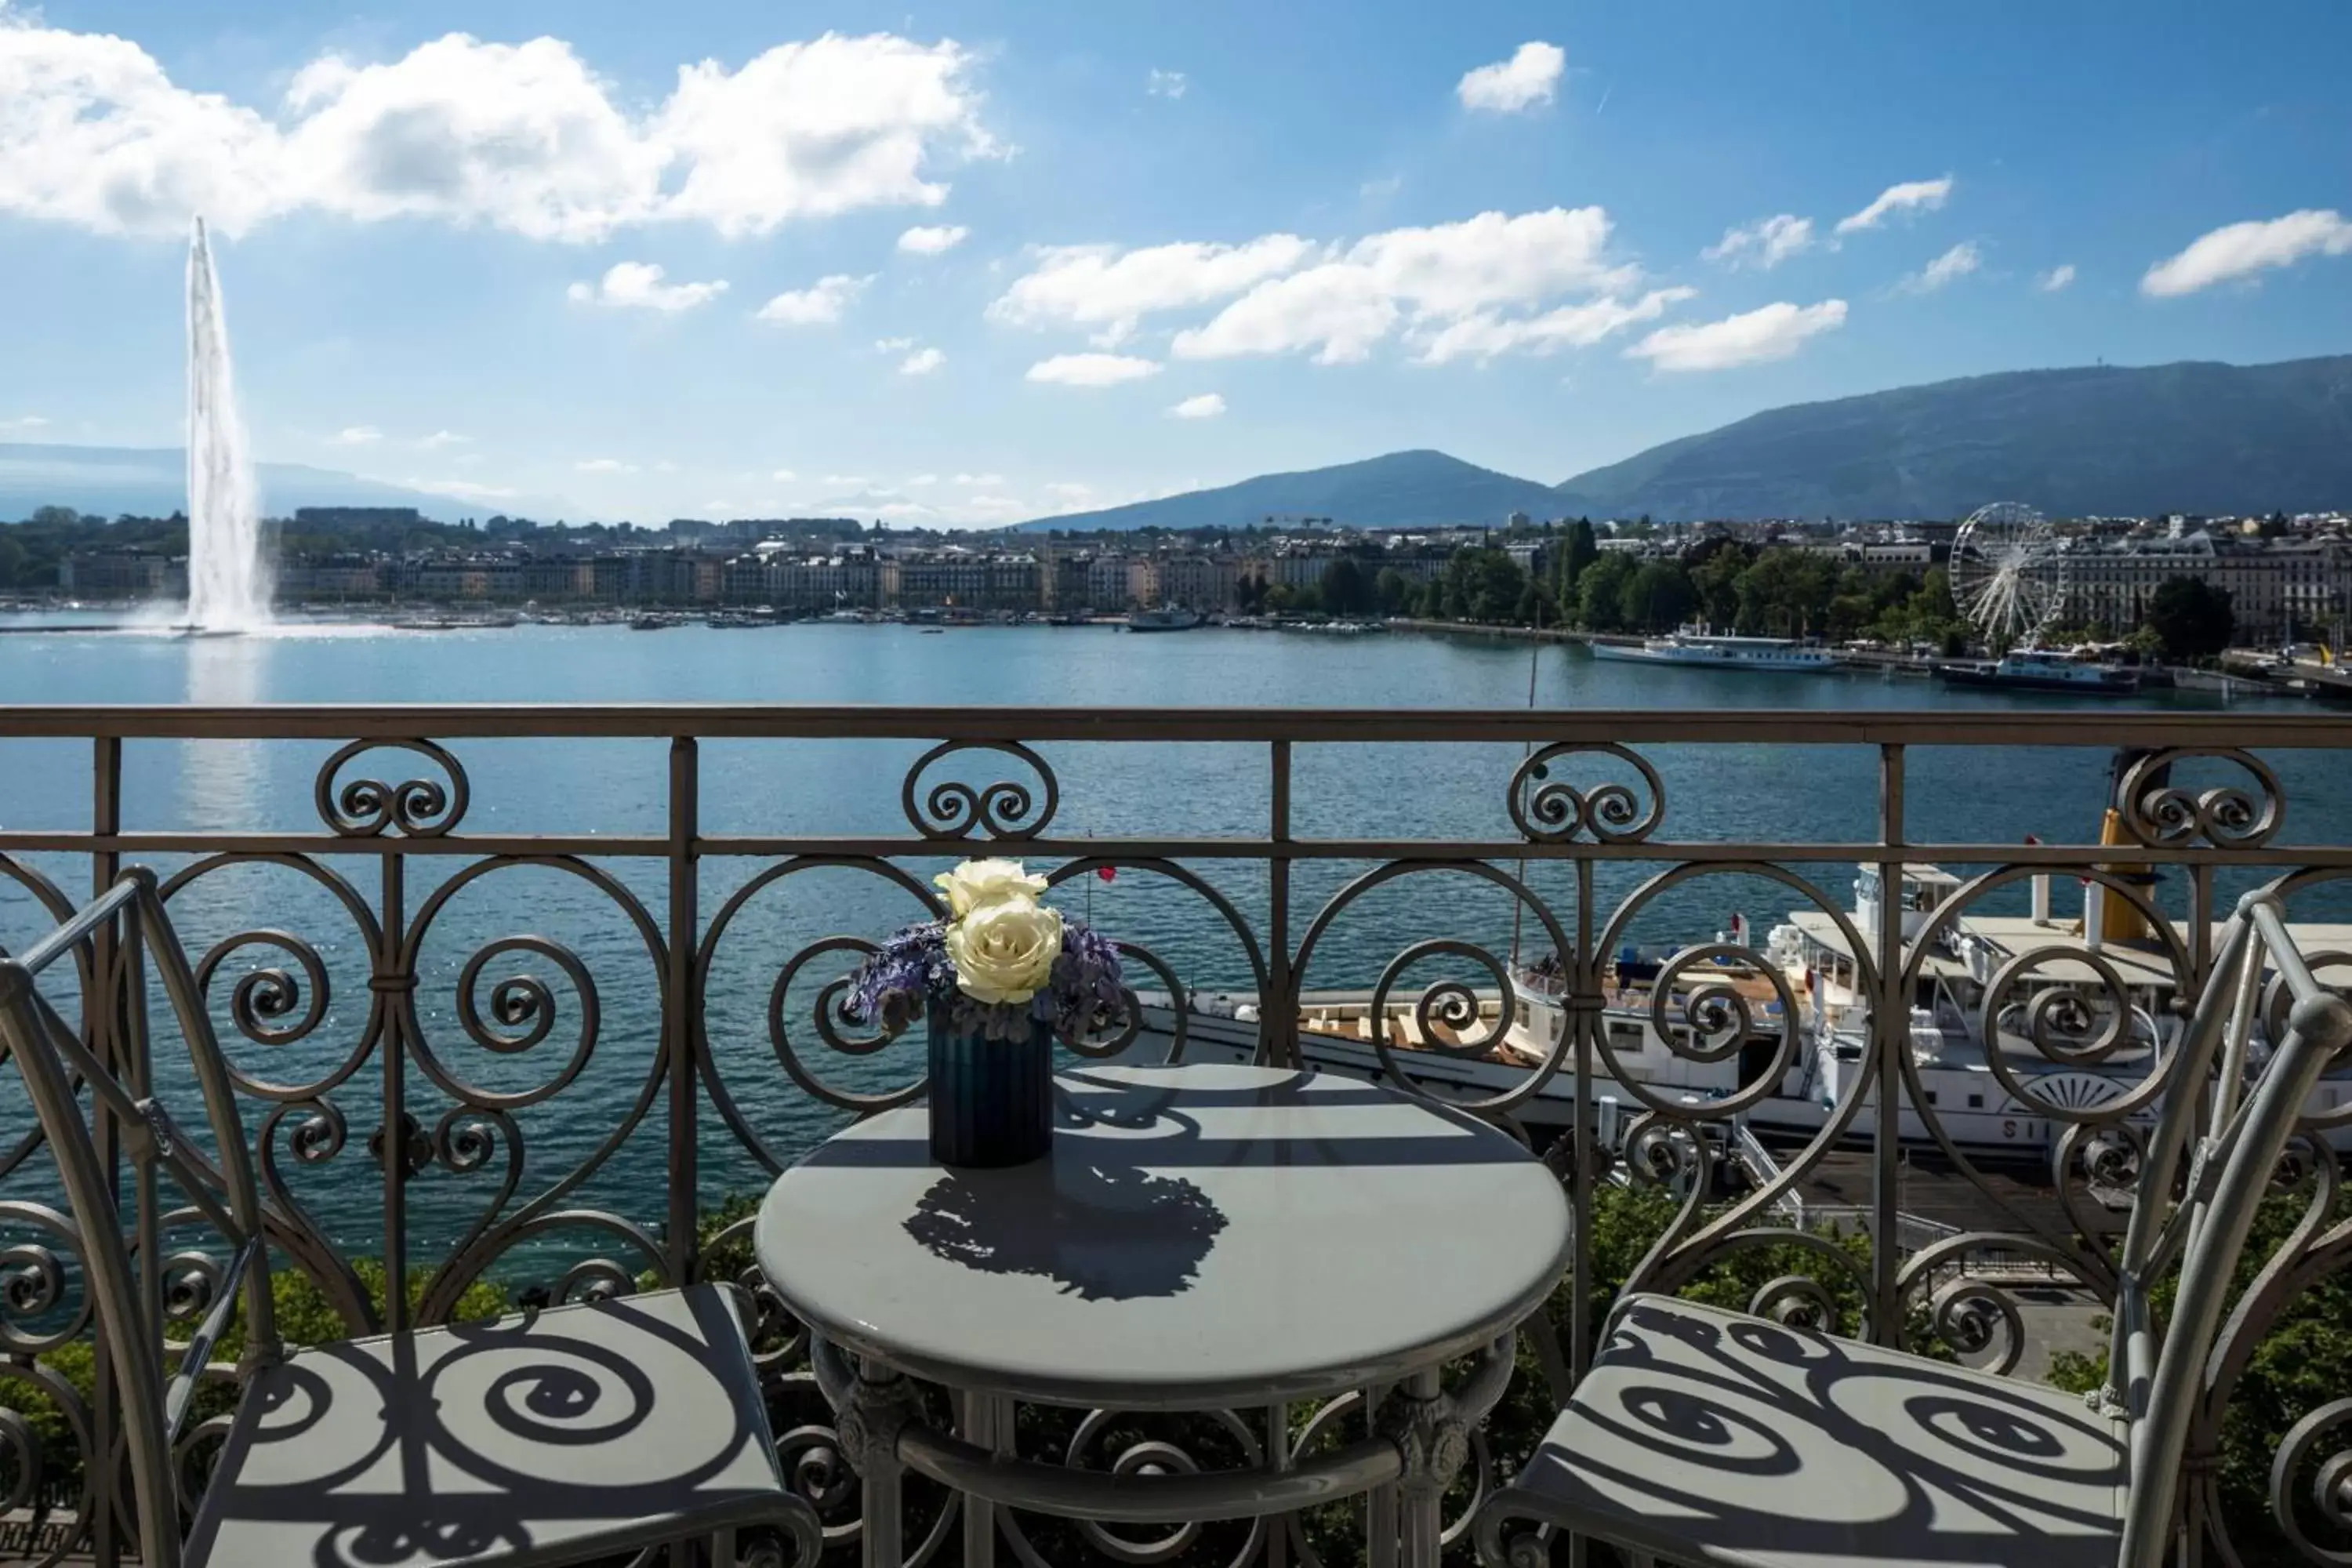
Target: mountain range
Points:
(153, 481)
(2099, 440)
(1399, 489)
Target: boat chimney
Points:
(2094, 910)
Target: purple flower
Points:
(912, 971)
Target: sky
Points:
(976, 263)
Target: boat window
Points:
(1976, 1102)
(1625, 1037)
(1931, 1096)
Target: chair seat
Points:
(542, 1437)
(1709, 1436)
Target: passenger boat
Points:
(2043, 669)
(1165, 619)
(1698, 645)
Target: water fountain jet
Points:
(228, 578)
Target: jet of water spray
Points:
(228, 580)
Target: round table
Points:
(1202, 1237)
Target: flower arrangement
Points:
(1002, 964)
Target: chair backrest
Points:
(121, 1245)
(2245, 1129)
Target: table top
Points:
(1201, 1236)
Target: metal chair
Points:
(1707, 1437)
(574, 1433)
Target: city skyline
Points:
(993, 262)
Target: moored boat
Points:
(1698, 645)
(1165, 619)
(2043, 669)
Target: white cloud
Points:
(893, 345)
(922, 362)
(921, 481)
(1955, 263)
(1528, 77)
(784, 476)
(1100, 286)
(639, 285)
(848, 481)
(2057, 277)
(1204, 406)
(523, 137)
(1764, 243)
(440, 438)
(1092, 370)
(1166, 84)
(1485, 275)
(1429, 276)
(605, 465)
(25, 422)
(463, 489)
(357, 436)
(1912, 196)
(931, 240)
(1486, 335)
(2242, 249)
(1340, 310)
(819, 302)
(1775, 331)
(982, 481)
(1491, 260)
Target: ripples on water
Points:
(1741, 793)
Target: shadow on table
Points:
(1103, 1232)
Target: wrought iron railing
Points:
(459, 1098)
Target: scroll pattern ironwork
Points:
(360, 1043)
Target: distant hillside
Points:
(1402, 489)
(2193, 436)
(153, 482)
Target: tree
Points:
(1786, 593)
(1484, 586)
(1581, 551)
(1393, 591)
(1657, 598)
(2190, 618)
(1600, 592)
(1345, 592)
(1531, 604)
(1715, 578)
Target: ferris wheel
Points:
(2005, 572)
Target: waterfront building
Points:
(1107, 582)
(123, 574)
(2279, 589)
(1199, 581)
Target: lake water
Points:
(1746, 793)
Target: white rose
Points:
(978, 883)
(1004, 950)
